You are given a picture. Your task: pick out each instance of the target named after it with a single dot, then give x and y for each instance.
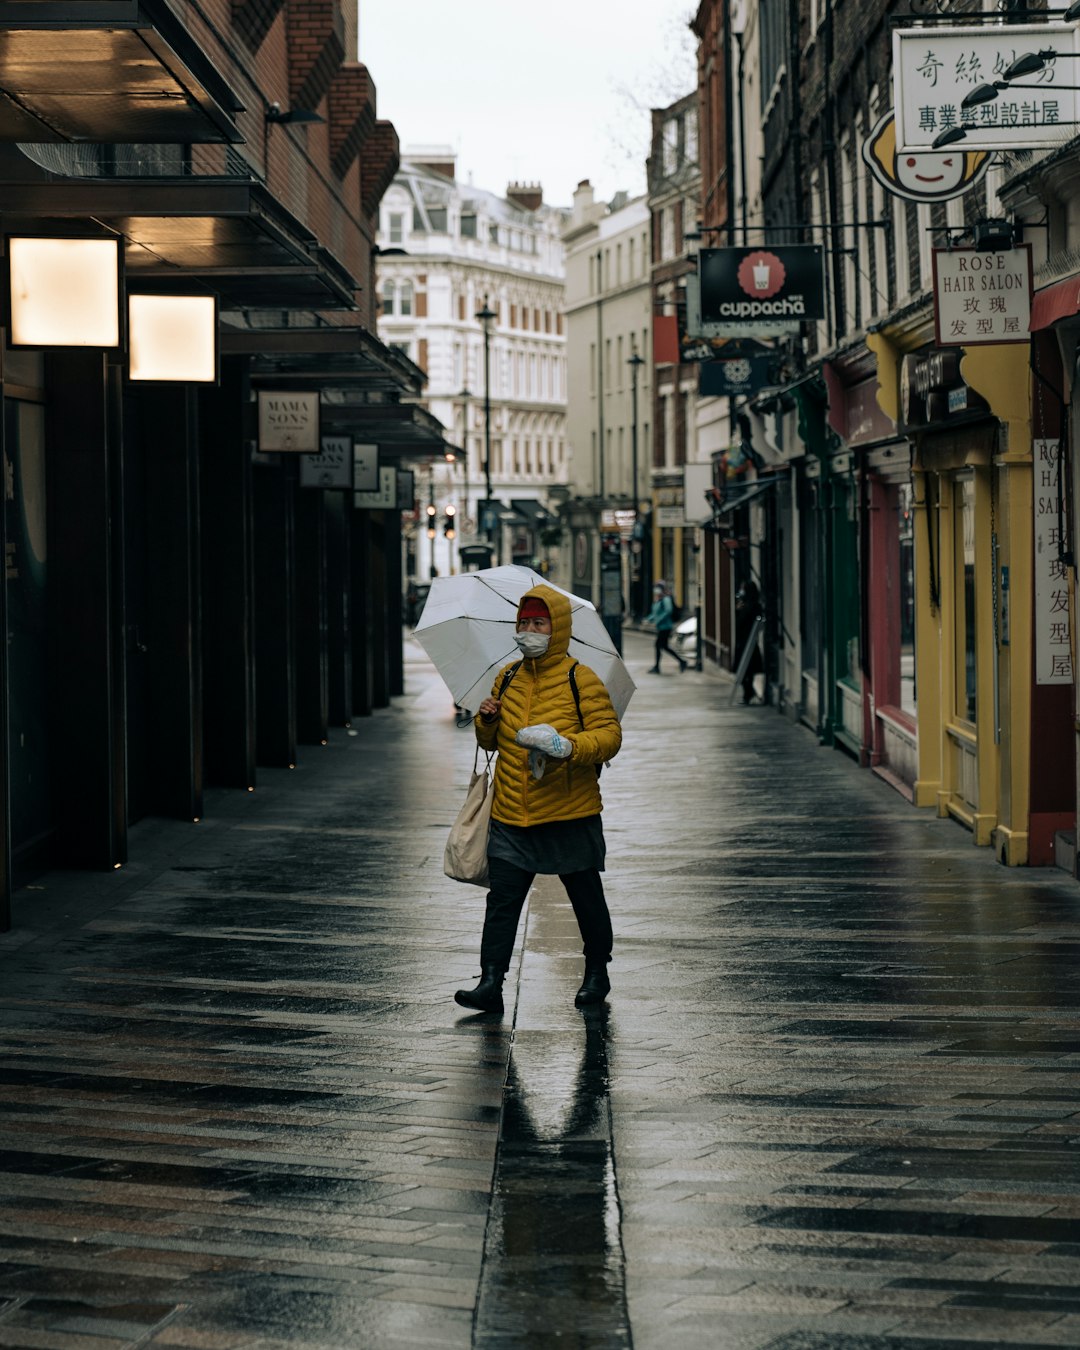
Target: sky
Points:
(548, 91)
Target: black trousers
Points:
(509, 887)
(662, 641)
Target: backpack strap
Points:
(508, 676)
(577, 702)
(574, 690)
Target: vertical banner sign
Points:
(1053, 643)
(331, 467)
(288, 421)
(365, 468)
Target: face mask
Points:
(532, 645)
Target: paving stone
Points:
(833, 1102)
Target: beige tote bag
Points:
(466, 849)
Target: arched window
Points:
(388, 297)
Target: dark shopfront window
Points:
(24, 453)
(809, 575)
(906, 576)
(964, 556)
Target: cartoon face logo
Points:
(930, 175)
(936, 173)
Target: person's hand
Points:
(490, 709)
(544, 737)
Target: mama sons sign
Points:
(289, 420)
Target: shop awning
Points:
(739, 496)
(1052, 303)
(400, 430)
(108, 71)
(228, 233)
(533, 512)
(337, 357)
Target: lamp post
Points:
(634, 361)
(485, 316)
(465, 395)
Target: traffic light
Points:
(448, 522)
(431, 520)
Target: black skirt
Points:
(556, 848)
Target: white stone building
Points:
(608, 321)
(445, 249)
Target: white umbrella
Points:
(468, 627)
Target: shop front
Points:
(966, 414)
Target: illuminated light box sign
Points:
(289, 421)
(934, 69)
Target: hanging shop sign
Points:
(739, 375)
(982, 297)
(331, 467)
(406, 490)
(932, 390)
(936, 69)
(384, 498)
(289, 421)
(365, 468)
(1053, 647)
(757, 292)
(926, 176)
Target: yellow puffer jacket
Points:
(540, 692)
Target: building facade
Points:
(610, 428)
(914, 629)
(185, 602)
(448, 253)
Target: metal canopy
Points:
(339, 356)
(401, 430)
(114, 71)
(231, 235)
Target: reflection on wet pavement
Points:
(833, 1103)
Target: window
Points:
(468, 225)
(493, 233)
(437, 216)
(772, 18)
(964, 559)
(397, 227)
(388, 297)
(405, 298)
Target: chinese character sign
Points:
(1053, 643)
(982, 297)
(935, 69)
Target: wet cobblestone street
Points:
(833, 1102)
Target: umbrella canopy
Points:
(468, 627)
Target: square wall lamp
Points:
(64, 292)
(173, 338)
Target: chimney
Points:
(529, 196)
(440, 159)
(583, 199)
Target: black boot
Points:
(487, 996)
(594, 987)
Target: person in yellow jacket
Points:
(551, 720)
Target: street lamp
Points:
(465, 395)
(486, 316)
(634, 361)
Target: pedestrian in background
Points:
(553, 724)
(747, 612)
(662, 618)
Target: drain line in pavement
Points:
(553, 1259)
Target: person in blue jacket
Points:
(662, 618)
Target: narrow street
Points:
(833, 1101)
